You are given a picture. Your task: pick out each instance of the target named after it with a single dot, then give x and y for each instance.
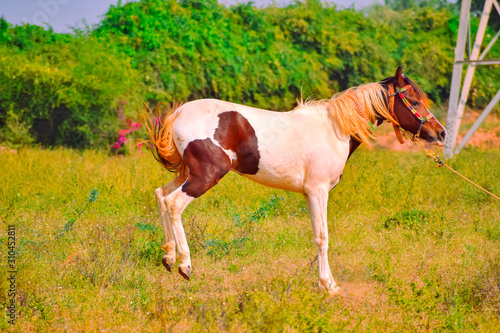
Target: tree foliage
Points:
(64, 89)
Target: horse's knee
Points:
(321, 241)
(159, 193)
(171, 204)
(176, 202)
(160, 197)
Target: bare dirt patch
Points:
(358, 290)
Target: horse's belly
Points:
(290, 179)
(297, 172)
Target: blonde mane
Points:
(352, 109)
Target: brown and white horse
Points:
(304, 151)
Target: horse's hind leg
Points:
(207, 164)
(168, 246)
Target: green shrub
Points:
(64, 93)
(65, 89)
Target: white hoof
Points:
(331, 287)
(334, 291)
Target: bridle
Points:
(399, 91)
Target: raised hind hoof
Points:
(168, 262)
(185, 271)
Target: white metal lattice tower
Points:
(457, 102)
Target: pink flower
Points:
(120, 114)
(124, 132)
(134, 126)
(122, 139)
(116, 145)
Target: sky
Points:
(64, 14)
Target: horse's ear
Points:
(400, 77)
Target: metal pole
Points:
(471, 69)
(478, 122)
(456, 78)
(488, 47)
(496, 6)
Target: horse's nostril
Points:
(442, 135)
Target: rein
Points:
(440, 163)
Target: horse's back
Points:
(200, 119)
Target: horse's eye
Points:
(415, 104)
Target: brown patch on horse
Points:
(353, 144)
(235, 133)
(207, 164)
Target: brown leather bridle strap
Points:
(391, 101)
(390, 93)
(398, 133)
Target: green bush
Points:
(64, 93)
(65, 89)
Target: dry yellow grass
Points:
(414, 248)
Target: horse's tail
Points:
(161, 140)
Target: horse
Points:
(304, 150)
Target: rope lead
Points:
(440, 163)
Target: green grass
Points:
(415, 248)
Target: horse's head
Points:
(408, 105)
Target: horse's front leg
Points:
(317, 201)
(168, 246)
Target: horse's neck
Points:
(354, 144)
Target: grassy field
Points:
(415, 248)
